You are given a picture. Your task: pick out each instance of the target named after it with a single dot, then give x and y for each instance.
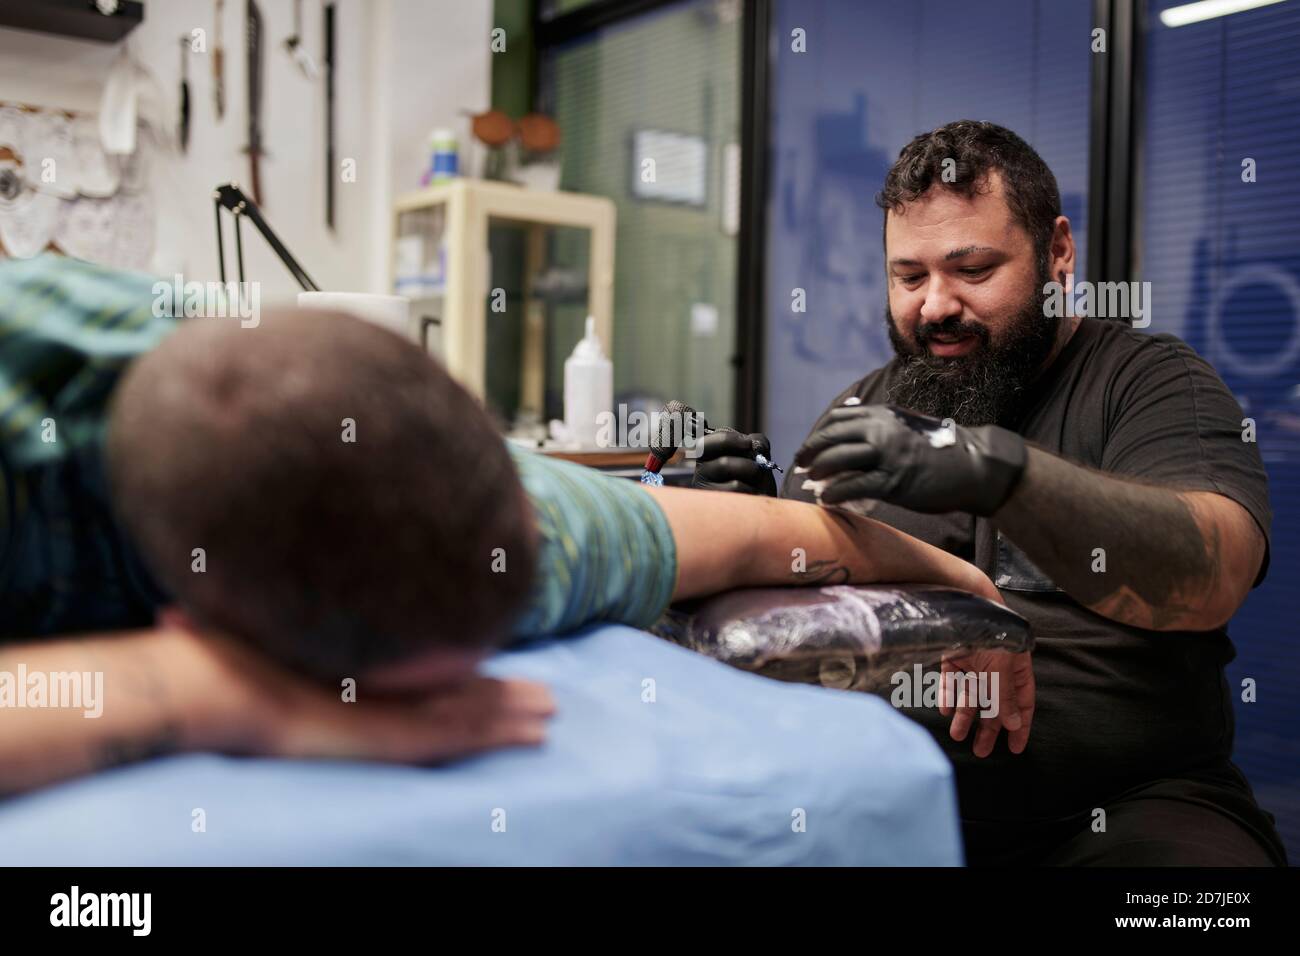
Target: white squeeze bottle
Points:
(588, 388)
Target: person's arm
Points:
(727, 541)
(615, 550)
(1144, 542)
(1174, 560)
(168, 690)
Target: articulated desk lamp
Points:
(230, 196)
(391, 311)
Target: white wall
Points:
(433, 63)
(403, 67)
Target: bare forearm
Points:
(1138, 554)
(728, 541)
(88, 703)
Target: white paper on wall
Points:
(91, 205)
(50, 155)
(27, 222)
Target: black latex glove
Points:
(913, 461)
(726, 463)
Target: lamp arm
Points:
(231, 197)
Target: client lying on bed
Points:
(315, 536)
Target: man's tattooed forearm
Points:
(1130, 551)
(1167, 593)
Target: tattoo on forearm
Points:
(1164, 577)
(1161, 564)
(822, 572)
(124, 750)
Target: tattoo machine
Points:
(677, 423)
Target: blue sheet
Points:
(712, 772)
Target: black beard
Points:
(982, 387)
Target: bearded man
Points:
(1097, 474)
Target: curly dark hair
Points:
(978, 148)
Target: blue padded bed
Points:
(714, 771)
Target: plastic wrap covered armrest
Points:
(847, 636)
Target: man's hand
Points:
(913, 461)
(726, 463)
(1015, 698)
(259, 707)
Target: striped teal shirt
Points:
(607, 552)
(67, 330)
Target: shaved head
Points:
(347, 496)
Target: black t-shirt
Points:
(1117, 707)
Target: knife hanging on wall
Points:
(183, 125)
(253, 31)
(330, 171)
(294, 46)
(218, 64)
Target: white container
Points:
(588, 389)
